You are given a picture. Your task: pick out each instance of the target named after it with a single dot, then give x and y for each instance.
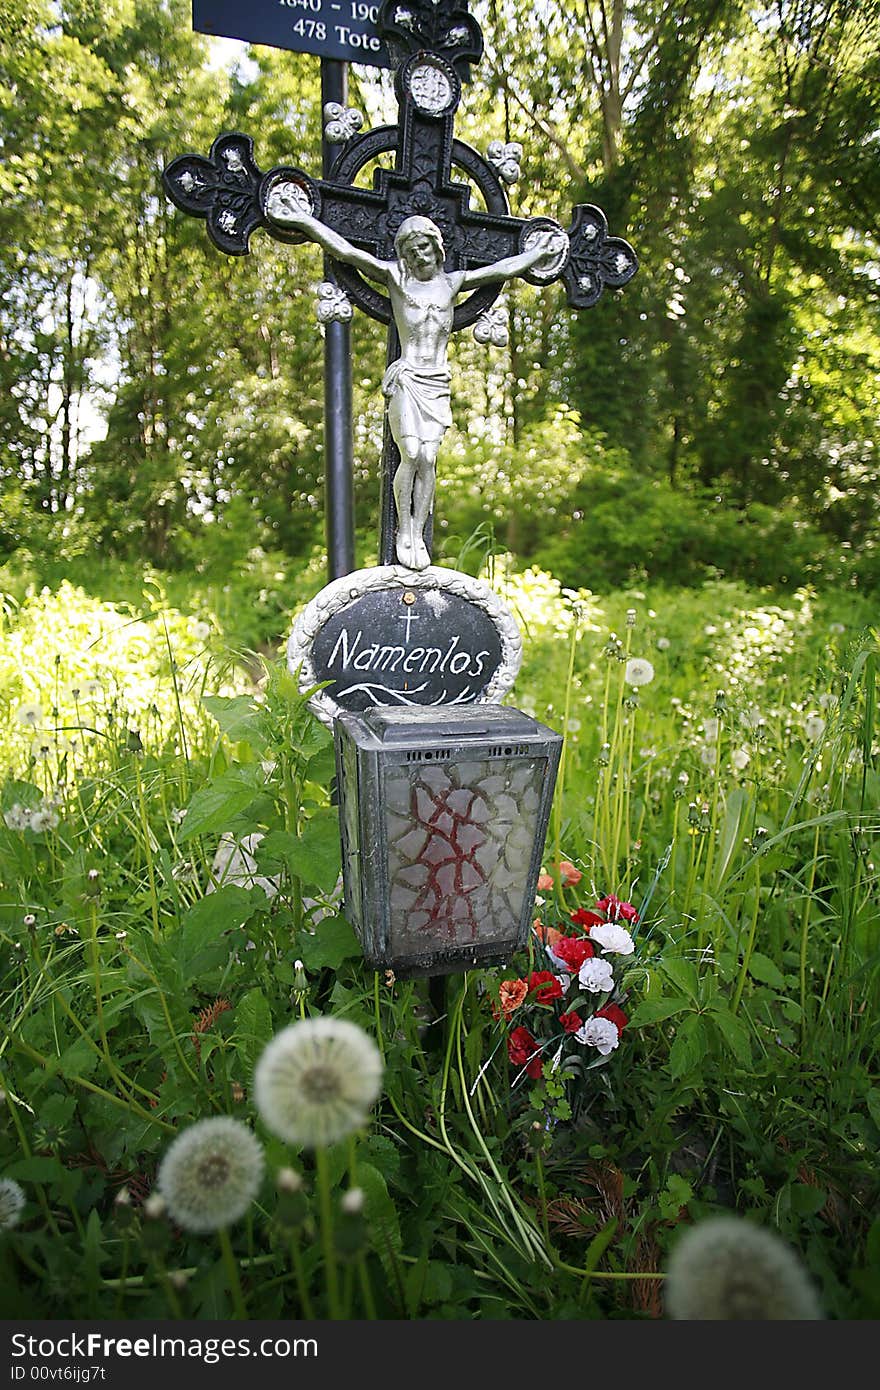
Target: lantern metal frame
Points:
(382, 752)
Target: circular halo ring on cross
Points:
(283, 188)
(560, 244)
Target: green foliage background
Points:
(160, 400)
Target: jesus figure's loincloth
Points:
(418, 401)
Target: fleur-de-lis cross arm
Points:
(443, 27)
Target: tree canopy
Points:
(159, 399)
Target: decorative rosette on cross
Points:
(566, 1014)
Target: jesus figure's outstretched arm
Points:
(287, 213)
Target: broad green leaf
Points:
(77, 1060)
(237, 716)
(807, 1200)
(253, 1027)
(21, 794)
(203, 941)
(214, 806)
(734, 1033)
(334, 941)
(733, 829)
(763, 968)
(315, 856)
(688, 1047)
(656, 1010)
(683, 974)
(873, 1100)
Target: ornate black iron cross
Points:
(433, 43)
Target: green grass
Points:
(733, 798)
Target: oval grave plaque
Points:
(395, 636)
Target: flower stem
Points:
(231, 1266)
(331, 1272)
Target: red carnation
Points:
(523, 1051)
(544, 986)
(571, 1022)
(614, 909)
(585, 918)
(573, 951)
(614, 1015)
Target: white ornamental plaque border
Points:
(338, 594)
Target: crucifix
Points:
(412, 251)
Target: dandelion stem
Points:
(305, 1302)
(148, 847)
(231, 1266)
(805, 931)
(750, 944)
(331, 1272)
(560, 780)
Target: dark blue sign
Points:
(344, 29)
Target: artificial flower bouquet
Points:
(569, 1014)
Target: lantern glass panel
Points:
(460, 839)
(443, 817)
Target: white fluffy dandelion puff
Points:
(639, 671)
(31, 715)
(316, 1081)
(11, 1203)
(211, 1174)
(728, 1269)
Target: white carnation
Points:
(613, 938)
(600, 1033)
(596, 975)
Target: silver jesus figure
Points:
(417, 385)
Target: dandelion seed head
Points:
(814, 727)
(728, 1269)
(211, 1173)
(353, 1201)
(288, 1180)
(639, 671)
(31, 715)
(663, 644)
(316, 1081)
(12, 1202)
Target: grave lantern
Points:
(443, 815)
